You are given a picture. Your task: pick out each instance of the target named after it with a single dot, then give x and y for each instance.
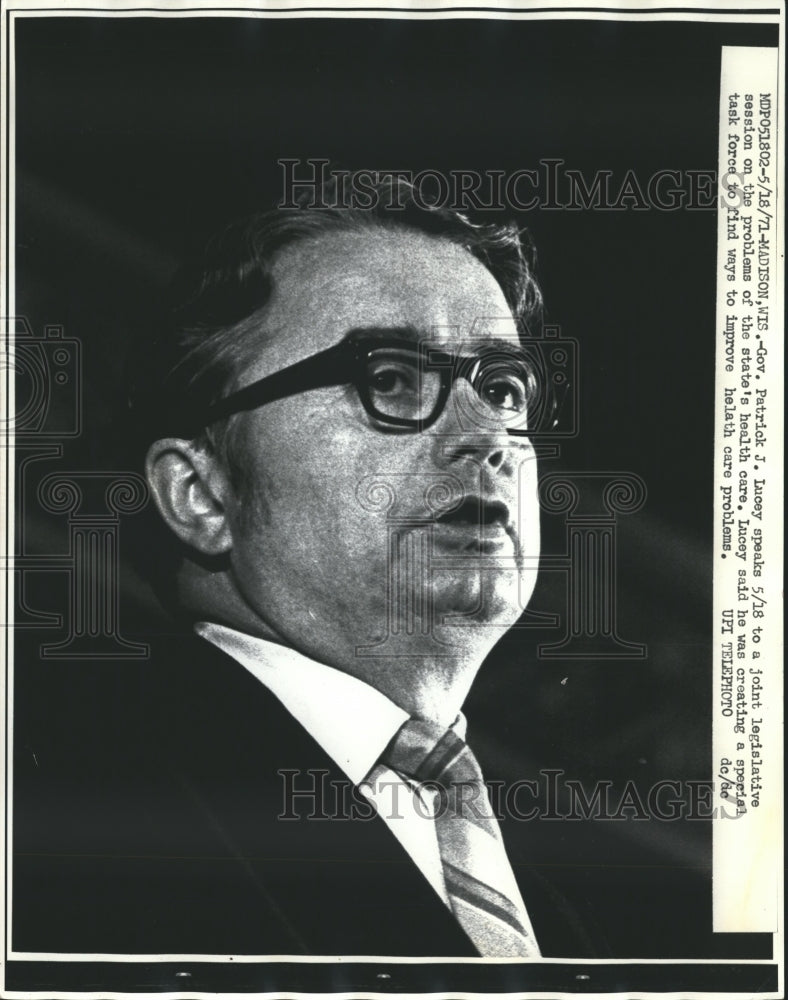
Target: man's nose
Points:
(470, 429)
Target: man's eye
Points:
(506, 394)
(391, 380)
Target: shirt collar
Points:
(352, 721)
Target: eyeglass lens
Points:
(403, 385)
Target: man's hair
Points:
(214, 317)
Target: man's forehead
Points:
(391, 247)
(375, 278)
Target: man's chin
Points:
(482, 598)
(457, 613)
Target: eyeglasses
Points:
(402, 383)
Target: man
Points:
(337, 424)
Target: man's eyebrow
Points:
(409, 332)
(406, 332)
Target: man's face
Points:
(338, 533)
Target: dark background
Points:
(135, 137)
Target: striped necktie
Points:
(478, 877)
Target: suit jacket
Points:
(147, 819)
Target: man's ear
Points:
(192, 492)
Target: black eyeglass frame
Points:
(345, 364)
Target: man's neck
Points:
(430, 682)
(428, 688)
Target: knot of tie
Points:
(439, 758)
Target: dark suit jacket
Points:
(146, 820)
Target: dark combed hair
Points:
(212, 321)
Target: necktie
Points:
(477, 874)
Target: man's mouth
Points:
(476, 520)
